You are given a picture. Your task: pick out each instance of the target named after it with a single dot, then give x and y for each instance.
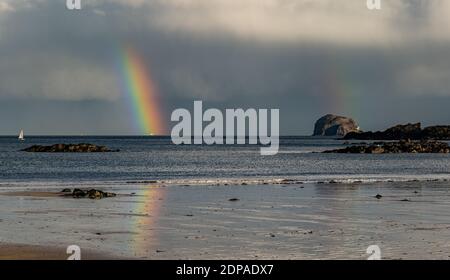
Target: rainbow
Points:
(343, 91)
(141, 92)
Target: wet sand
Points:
(294, 221)
(35, 194)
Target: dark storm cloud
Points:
(305, 57)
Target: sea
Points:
(144, 159)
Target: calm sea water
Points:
(156, 158)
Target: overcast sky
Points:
(306, 57)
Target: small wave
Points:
(319, 179)
(300, 180)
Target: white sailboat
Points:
(21, 138)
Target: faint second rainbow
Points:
(141, 92)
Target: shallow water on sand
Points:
(297, 221)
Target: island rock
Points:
(332, 125)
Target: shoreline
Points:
(49, 188)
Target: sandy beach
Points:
(273, 221)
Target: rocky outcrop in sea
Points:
(403, 146)
(92, 194)
(69, 148)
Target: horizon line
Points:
(127, 135)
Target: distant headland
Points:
(408, 138)
(404, 132)
(347, 128)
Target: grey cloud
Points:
(305, 57)
(340, 22)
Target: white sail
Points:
(21, 135)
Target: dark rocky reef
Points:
(332, 125)
(403, 132)
(69, 148)
(403, 146)
(92, 194)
